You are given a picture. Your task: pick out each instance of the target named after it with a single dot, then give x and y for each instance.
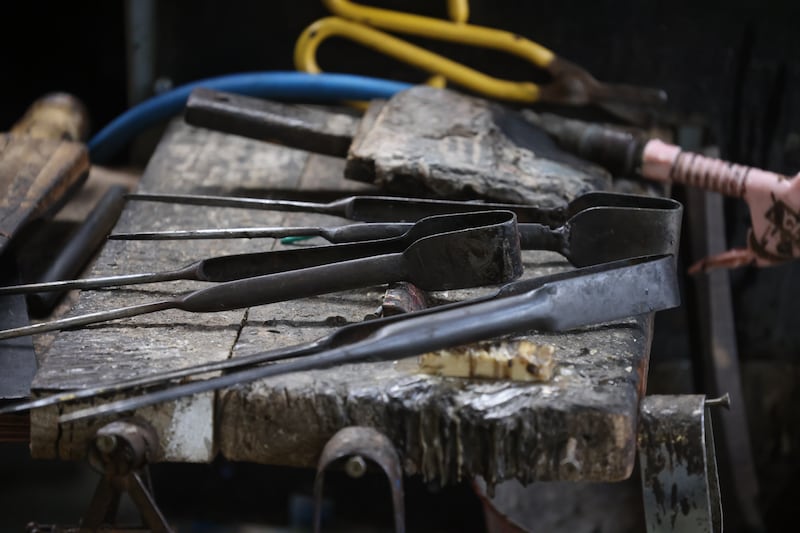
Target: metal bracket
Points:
(120, 451)
(357, 443)
(678, 465)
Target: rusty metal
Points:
(358, 443)
(403, 297)
(678, 466)
(483, 250)
(553, 303)
(120, 451)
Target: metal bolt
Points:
(722, 401)
(106, 443)
(355, 466)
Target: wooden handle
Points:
(58, 116)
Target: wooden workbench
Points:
(580, 425)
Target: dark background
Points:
(731, 68)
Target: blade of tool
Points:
(340, 337)
(483, 253)
(570, 302)
(239, 266)
(591, 236)
(399, 209)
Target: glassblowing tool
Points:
(400, 209)
(232, 267)
(555, 303)
(483, 251)
(590, 236)
(658, 269)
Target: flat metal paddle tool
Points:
(591, 236)
(232, 267)
(485, 252)
(561, 302)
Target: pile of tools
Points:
(623, 246)
(433, 244)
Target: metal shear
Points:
(571, 84)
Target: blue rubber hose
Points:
(295, 86)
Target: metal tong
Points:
(469, 250)
(557, 302)
(399, 209)
(232, 267)
(592, 235)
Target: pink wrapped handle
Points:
(773, 199)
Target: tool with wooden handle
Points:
(41, 163)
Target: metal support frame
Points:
(357, 443)
(120, 451)
(678, 465)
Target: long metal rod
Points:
(87, 319)
(99, 282)
(555, 306)
(243, 293)
(340, 337)
(348, 233)
(399, 209)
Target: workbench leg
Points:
(678, 466)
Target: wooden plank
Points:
(35, 176)
(186, 160)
